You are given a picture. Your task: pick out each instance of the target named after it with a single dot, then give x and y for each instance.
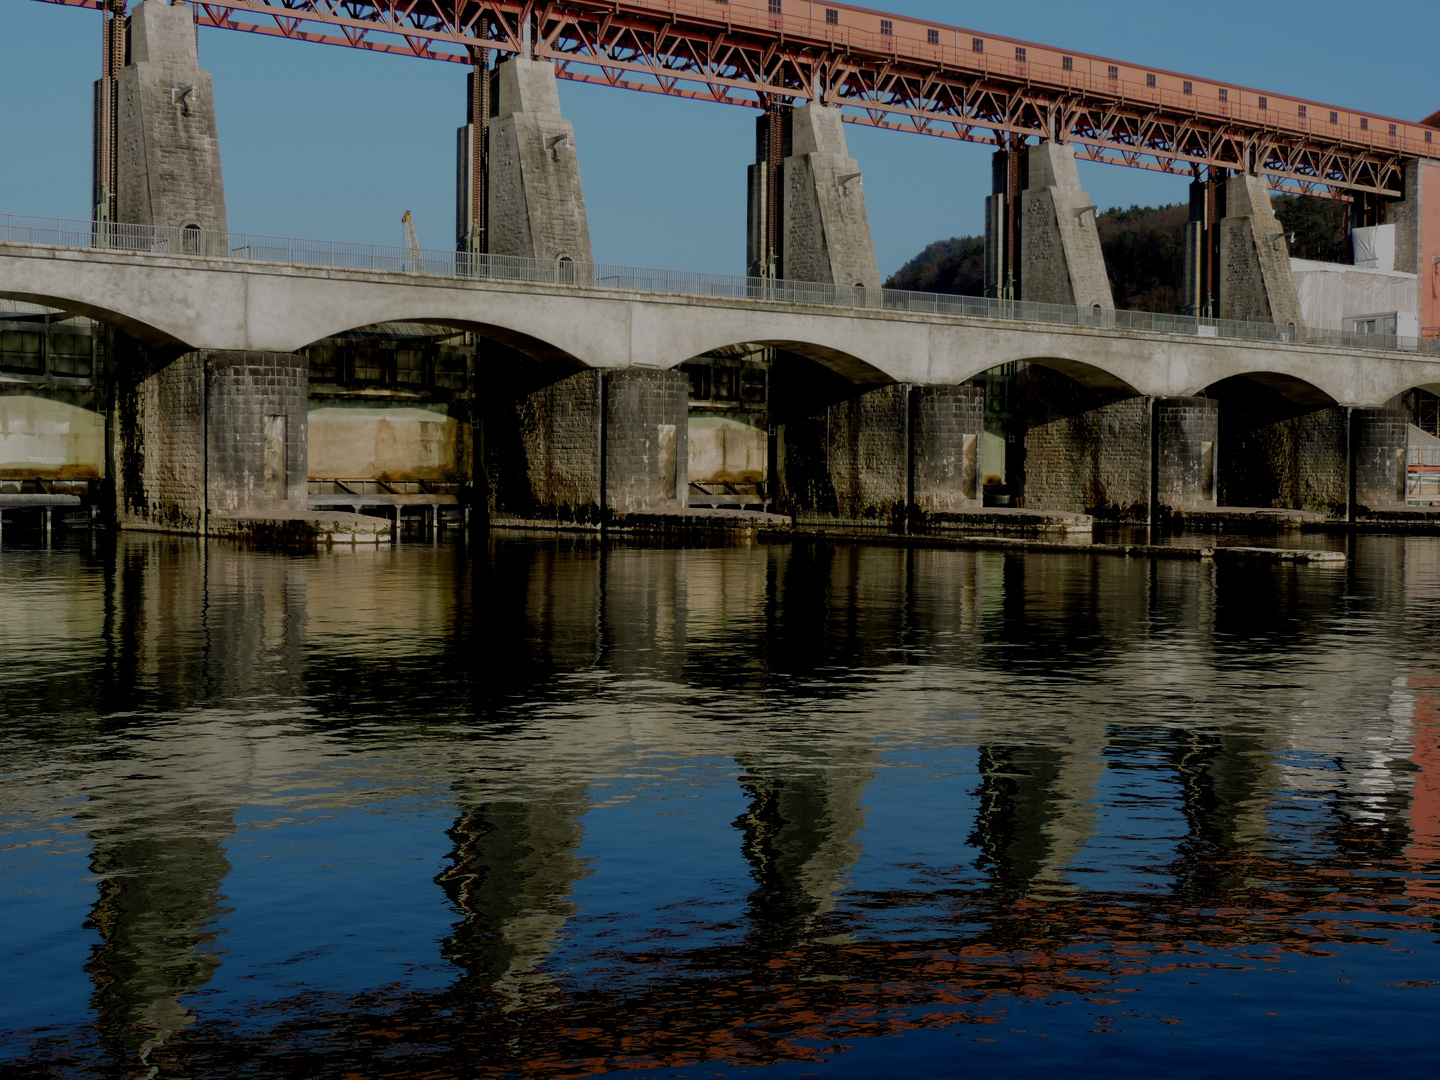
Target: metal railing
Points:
(327, 254)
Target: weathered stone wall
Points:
(257, 430)
(1083, 452)
(1187, 431)
(827, 228)
(1379, 439)
(946, 425)
(1060, 257)
(850, 462)
(540, 453)
(550, 453)
(880, 457)
(228, 424)
(1280, 454)
(159, 444)
(536, 204)
(168, 160)
(1256, 283)
(646, 452)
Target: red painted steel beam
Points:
(885, 71)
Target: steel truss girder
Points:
(639, 45)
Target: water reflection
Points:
(1091, 774)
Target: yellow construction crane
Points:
(413, 255)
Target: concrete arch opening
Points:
(151, 335)
(1066, 436)
(745, 397)
(1287, 444)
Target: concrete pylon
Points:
(537, 208)
(1060, 259)
(1256, 284)
(168, 152)
(826, 226)
(1417, 236)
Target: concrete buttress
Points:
(1256, 284)
(827, 228)
(1060, 260)
(536, 206)
(168, 152)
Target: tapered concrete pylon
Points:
(168, 152)
(536, 205)
(1060, 257)
(827, 228)
(1256, 283)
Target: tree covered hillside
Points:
(1144, 250)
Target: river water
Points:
(545, 808)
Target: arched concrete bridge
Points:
(194, 302)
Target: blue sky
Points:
(336, 143)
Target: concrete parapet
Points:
(536, 204)
(1006, 519)
(1060, 259)
(301, 528)
(1256, 283)
(827, 228)
(168, 152)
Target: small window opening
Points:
(1068, 63)
(1334, 117)
(1364, 123)
(1150, 79)
(1020, 53)
(1427, 135)
(774, 7)
(887, 28)
(1224, 94)
(1302, 112)
(832, 16)
(977, 45)
(932, 36)
(1394, 130)
(190, 239)
(1264, 103)
(1187, 87)
(1114, 73)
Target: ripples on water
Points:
(546, 809)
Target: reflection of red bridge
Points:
(886, 70)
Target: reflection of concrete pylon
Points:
(514, 867)
(801, 832)
(1037, 807)
(158, 850)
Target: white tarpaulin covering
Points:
(1329, 292)
(1374, 247)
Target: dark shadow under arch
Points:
(552, 359)
(846, 365)
(1093, 378)
(141, 331)
(1302, 394)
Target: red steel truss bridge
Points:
(886, 71)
